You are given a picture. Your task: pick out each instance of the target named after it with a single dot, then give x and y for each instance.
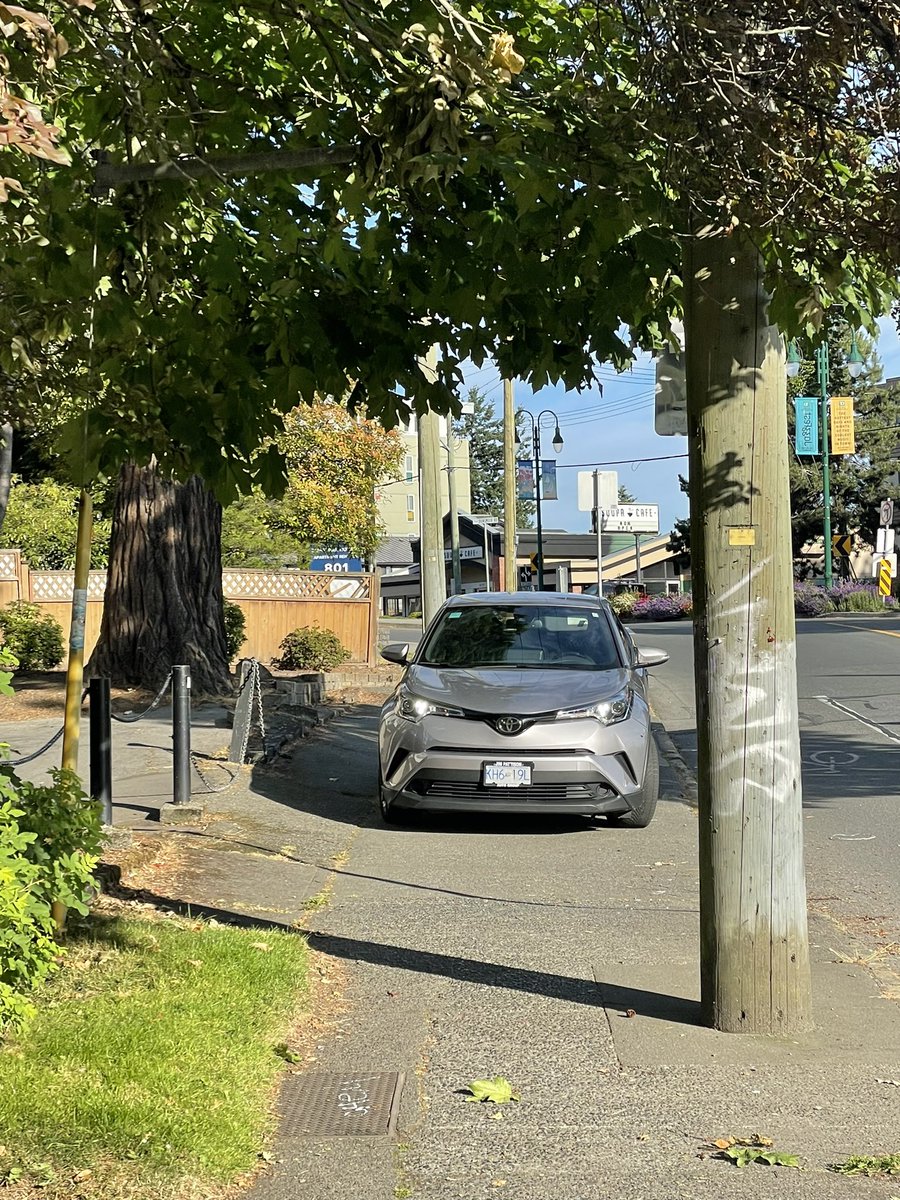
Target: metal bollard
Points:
(181, 734)
(101, 746)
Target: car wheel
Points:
(641, 816)
(389, 813)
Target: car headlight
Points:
(413, 708)
(607, 712)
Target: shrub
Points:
(49, 843)
(661, 608)
(811, 601)
(853, 596)
(235, 628)
(42, 522)
(33, 636)
(310, 648)
(623, 603)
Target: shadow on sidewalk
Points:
(595, 993)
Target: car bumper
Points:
(587, 781)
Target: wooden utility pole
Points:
(754, 944)
(510, 573)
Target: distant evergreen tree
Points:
(484, 431)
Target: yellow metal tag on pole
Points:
(884, 577)
(843, 436)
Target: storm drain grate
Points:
(338, 1105)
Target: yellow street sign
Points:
(884, 577)
(842, 543)
(843, 438)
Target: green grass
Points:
(152, 1057)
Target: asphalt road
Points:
(849, 700)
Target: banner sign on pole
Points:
(843, 439)
(807, 425)
(525, 479)
(548, 479)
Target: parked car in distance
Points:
(525, 702)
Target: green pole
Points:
(822, 373)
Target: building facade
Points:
(398, 499)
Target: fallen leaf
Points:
(498, 1183)
(195, 962)
(723, 1143)
(496, 1091)
(629, 1012)
(260, 946)
(495, 1116)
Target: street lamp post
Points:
(536, 444)
(855, 364)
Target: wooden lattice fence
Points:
(273, 602)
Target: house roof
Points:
(394, 552)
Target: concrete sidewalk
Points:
(561, 956)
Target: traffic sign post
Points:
(884, 578)
(886, 513)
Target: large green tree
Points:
(513, 184)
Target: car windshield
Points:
(533, 635)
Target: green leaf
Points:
(741, 1156)
(496, 1091)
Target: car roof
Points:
(525, 599)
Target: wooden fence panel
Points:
(274, 603)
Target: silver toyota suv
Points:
(526, 702)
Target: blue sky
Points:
(618, 424)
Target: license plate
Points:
(507, 774)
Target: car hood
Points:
(524, 691)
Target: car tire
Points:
(389, 812)
(641, 816)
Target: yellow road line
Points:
(865, 629)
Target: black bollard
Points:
(181, 734)
(101, 746)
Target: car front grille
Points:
(535, 793)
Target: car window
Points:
(558, 635)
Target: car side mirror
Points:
(650, 657)
(397, 653)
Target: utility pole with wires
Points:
(754, 968)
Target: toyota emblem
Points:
(509, 725)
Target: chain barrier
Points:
(218, 762)
(130, 717)
(27, 758)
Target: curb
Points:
(682, 771)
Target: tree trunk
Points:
(754, 948)
(6, 450)
(163, 600)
